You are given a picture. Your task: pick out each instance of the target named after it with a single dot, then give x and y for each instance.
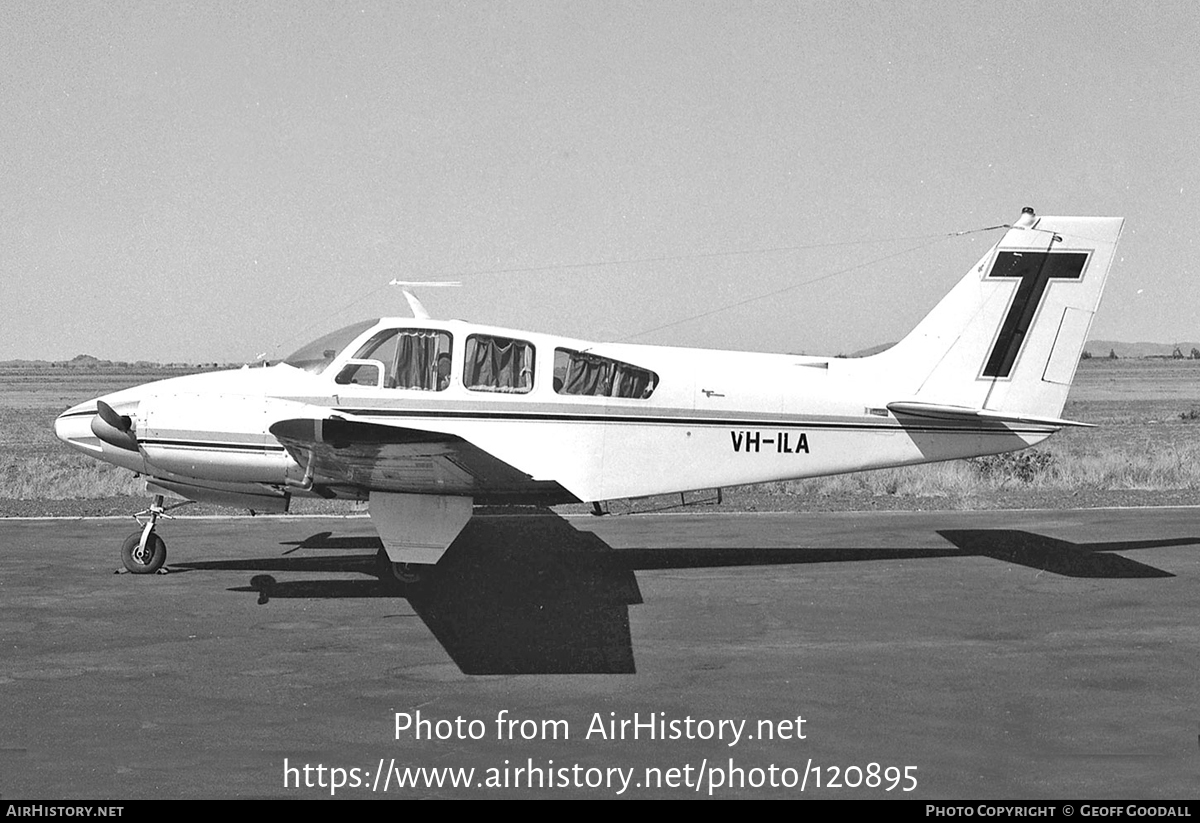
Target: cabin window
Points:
(411, 358)
(578, 373)
(498, 364)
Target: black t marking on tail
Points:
(1035, 270)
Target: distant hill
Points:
(87, 361)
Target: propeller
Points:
(114, 429)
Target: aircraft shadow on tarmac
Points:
(526, 595)
(1060, 556)
(534, 595)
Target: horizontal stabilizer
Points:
(965, 414)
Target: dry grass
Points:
(1148, 442)
(63, 477)
(1163, 467)
(34, 465)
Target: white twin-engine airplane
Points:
(423, 418)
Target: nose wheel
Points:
(144, 552)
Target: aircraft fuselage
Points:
(712, 418)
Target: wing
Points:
(336, 451)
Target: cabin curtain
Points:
(629, 381)
(599, 377)
(416, 359)
(497, 364)
(586, 375)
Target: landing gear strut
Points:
(144, 552)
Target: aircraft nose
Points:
(74, 427)
(102, 428)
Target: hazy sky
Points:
(208, 181)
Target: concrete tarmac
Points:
(972, 655)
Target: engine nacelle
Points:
(221, 437)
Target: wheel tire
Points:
(156, 550)
(408, 574)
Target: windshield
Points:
(318, 354)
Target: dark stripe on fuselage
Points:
(250, 448)
(645, 418)
(69, 415)
(720, 422)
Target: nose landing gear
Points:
(144, 552)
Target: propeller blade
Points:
(109, 415)
(114, 429)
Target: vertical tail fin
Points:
(1007, 338)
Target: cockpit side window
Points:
(578, 373)
(411, 358)
(498, 364)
